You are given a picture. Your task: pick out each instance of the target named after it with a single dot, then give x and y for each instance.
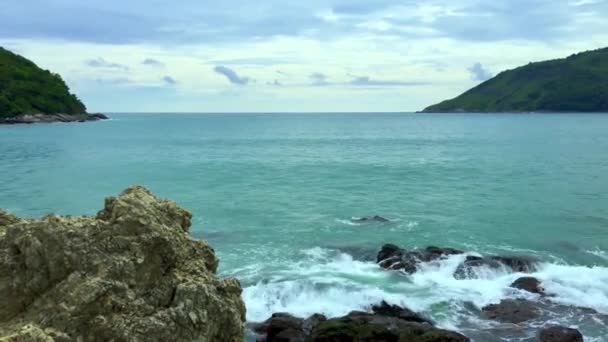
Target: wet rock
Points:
(473, 265)
(361, 326)
(386, 309)
(512, 311)
(392, 257)
(49, 118)
(529, 284)
(371, 220)
(283, 327)
(560, 334)
(131, 273)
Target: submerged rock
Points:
(512, 311)
(529, 284)
(371, 220)
(386, 323)
(131, 273)
(472, 266)
(560, 334)
(393, 257)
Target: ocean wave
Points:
(330, 282)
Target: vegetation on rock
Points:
(27, 89)
(578, 83)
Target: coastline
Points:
(51, 118)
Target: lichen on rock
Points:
(131, 273)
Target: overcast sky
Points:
(297, 56)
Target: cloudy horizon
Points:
(318, 56)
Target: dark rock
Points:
(361, 326)
(560, 334)
(371, 220)
(511, 311)
(386, 309)
(100, 116)
(469, 269)
(283, 327)
(529, 284)
(394, 258)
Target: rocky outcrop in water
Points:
(560, 334)
(529, 284)
(471, 267)
(130, 273)
(371, 220)
(512, 311)
(385, 323)
(393, 257)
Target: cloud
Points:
(319, 79)
(169, 80)
(102, 63)
(479, 72)
(153, 62)
(231, 75)
(366, 81)
(251, 61)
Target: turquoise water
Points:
(274, 194)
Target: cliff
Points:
(131, 273)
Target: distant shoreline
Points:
(51, 118)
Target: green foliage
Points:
(578, 83)
(27, 89)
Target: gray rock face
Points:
(560, 334)
(371, 220)
(131, 273)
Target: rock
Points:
(371, 220)
(361, 326)
(386, 309)
(131, 273)
(472, 266)
(511, 311)
(49, 118)
(560, 334)
(393, 257)
(283, 327)
(386, 323)
(529, 284)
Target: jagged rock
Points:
(511, 311)
(529, 284)
(471, 267)
(560, 334)
(392, 257)
(131, 273)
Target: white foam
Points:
(576, 285)
(599, 253)
(332, 283)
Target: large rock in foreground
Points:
(131, 273)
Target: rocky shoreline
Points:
(50, 118)
(133, 273)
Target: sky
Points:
(291, 56)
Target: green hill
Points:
(27, 89)
(578, 83)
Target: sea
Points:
(277, 195)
